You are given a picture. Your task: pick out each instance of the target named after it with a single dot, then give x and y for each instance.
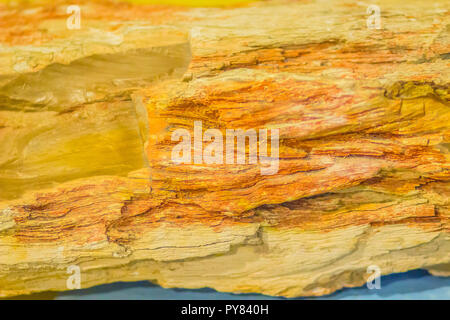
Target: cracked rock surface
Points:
(87, 116)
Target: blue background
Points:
(416, 284)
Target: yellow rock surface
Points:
(87, 116)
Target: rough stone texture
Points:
(86, 118)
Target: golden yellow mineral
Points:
(117, 133)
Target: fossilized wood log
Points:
(86, 118)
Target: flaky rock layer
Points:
(87, 118)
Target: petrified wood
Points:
(87, 116)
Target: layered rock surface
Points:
(86, 124)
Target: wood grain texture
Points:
(86, 118)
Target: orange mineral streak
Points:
(25, 24)
(364, 163)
